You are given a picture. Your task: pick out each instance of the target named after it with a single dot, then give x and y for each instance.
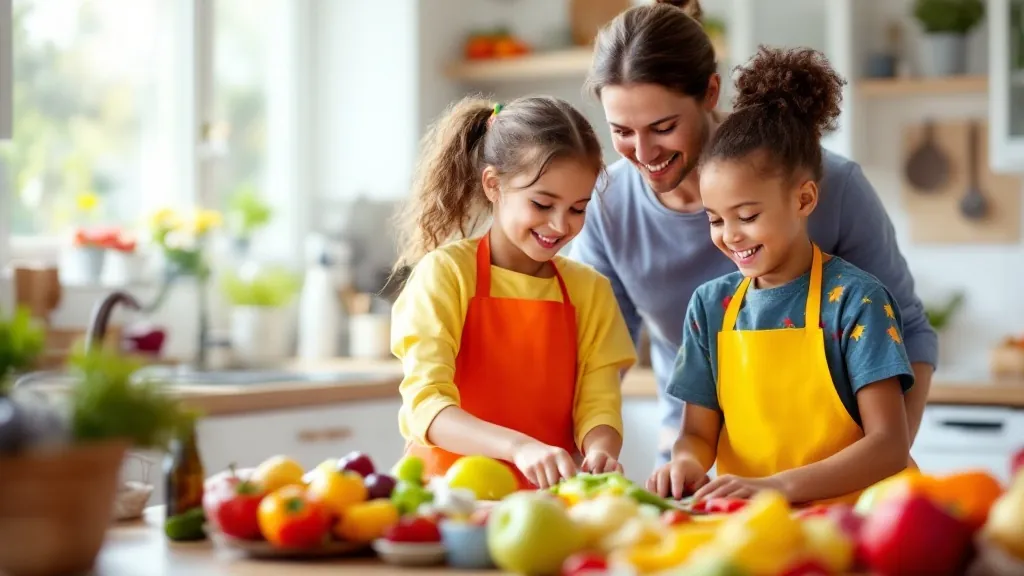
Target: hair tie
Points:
(494, 114)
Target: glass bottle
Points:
(183, 474)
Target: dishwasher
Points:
(956, 438)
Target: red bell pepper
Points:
(1017, 463)
(724, 505)
(807, 568)
(907, 534)
(232, 504)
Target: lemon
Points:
(486, 477)
(278, 471)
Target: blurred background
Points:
(263, 140)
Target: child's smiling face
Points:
(758, 220)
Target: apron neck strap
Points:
(483, 270)
(812, 313)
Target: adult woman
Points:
(655, 75)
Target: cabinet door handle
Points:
(324, 434)
(974, 425)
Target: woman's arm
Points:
(882, 452)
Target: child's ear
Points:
(491, 183)
(807, 197)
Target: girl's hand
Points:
(599, 461)
(677, 478)
(729, 486)
(544, 465)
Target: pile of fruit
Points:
(912, 523)
(343, 499)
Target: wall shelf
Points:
(885, 87)
(570, 63)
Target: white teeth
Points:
(546, 239)
(659, 167)
(746, 253)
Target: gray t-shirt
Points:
(655, 258)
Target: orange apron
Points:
(775, 389)
(516, 367)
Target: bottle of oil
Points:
(183, 474)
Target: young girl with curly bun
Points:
(793, 368)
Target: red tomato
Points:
(413, 529)
(807, 568)
(233, 505)
(725, 505)
(583, 563)
(674, 517)
(479, 47)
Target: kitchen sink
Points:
(248, 377)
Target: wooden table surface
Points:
(141, 549)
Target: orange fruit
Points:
(969, 495)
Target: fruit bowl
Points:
(409, 553)
(261, 549)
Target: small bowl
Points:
(409, 553)
(466, 545)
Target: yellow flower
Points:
(894, 334)
(164, 219)
(889, 312)
(858, 332)
(87, 201)
(205, 220)
(835, 294)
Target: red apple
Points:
(909, 534)
(1017, 463)
(357, 462)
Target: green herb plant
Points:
(247, 212)
(268, 288)
(22, 339)
(949, 16)
(939, 316)
(107, 403)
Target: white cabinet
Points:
(309, 435)
(641, 426)
(955, 438)
(1006, 85)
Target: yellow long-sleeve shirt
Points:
(426, 330)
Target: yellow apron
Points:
(781, 408)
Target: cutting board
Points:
(935, 216)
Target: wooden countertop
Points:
(140, 549)
(379, 380)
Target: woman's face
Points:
(659, 130)
(537, 220)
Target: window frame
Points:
(288, 191)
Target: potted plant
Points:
(946, 24)
(261, 314)
(247, 212)
(939, 317)
(61, 454)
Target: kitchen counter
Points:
(140, 549)
(950, 389)
(382, 378)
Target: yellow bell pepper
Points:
(827, 543)
(670, 551)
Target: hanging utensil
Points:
(928, 167)
(974, 205)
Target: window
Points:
(125, 106)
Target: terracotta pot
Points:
(55, 507)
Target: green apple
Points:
(409, 469)
(531, 533)
(409, 496)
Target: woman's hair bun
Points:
(797, 81)
(691, 7)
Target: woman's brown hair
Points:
(525, 136)
(786, 100)
(661, 43)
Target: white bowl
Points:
(409, 553)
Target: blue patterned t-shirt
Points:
(861, 321)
